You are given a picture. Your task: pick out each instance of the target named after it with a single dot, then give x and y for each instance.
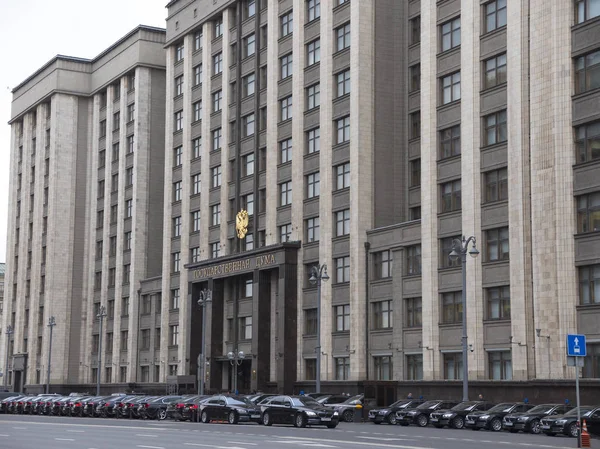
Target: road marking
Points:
(241, 442)
(357, 443)
(389, 439)
(305, 444)
(20, 428)
(4, 435)
(64, 439)
(150, 447)
(75, 431)
(145, 435)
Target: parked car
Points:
(156, 408)
(388, 414)
(492, 419)
(90, 406)
(106, 407)
(130, 407)
(347, 408)
(529, 421)
(332, 399)
(259, 397)
(4, 403)
(299, 411)
(567, 424)
(455, 417)
(232, 409)
(420, 415)
(186, 409)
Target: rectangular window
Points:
(248, 242)
(198, 75)
(311, 322)
(174, 305)
(313, 183)
(249, 45)
(103, 129)
(500, 365)
(215, 250)
(179, 85)
(587, 142)
(130, 146)
(286, 66)
(174, 335)
(177, 156)
(496, 185)
(587, 71)
(453, 366)
(382, 315)
(197, 109)
(146, 305)
(342, 318)
(343, 83)
(413, 312)
(124, 338)
(313, 52)
(216, 139)
(495, 128)
(286, 108)
(196, 147)
(127, 241)
(177, 226)
(245, 328)
(178, 121)
(116, 121)
(415, 30)
(383, 367)
(125, 306)
(451, 88)
(495, 15)
(218, 27)
(586, 10)
(217, 98)
(129, 208)
(450, 193)
(450, 34)
(218, 63)
(343, 37)
(495, 71)
(196, 184)
(248, 203)
(285, 231)
(196, 221)
(129, 176)
(285, 147)
(342, 220)
(415, 173)
(452, 307)
(195, 255)
(176, 262)
(413, 260)
(343, 130)
(414, 130)
(342, 269)
(248, 83)
(591, 367)
(312, 229)
(414, 367)
(342, 368)
(248, 124)
(249, 9)
(177, 191)
(287, 24)
(445, 250)
(415, 78)
(197, 40)
(383, 264)
(450, 142)
(248, 164)
(313, 9)
(342, 176)
(216, 214)
(589, 284)
(285, 191)
(313, 96)
(179, 52)
(313, 138)
(588, 213)
(496, 247)
(498, 303)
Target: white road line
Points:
(20, 428)
(145, 435)
(64, 439)
(150, 447)
(241, 442)
(75, 431)
(99, 426)
(354, 443)
(4, 435)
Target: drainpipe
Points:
(367, 247)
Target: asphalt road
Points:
(47, 432)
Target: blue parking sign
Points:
(576, 345)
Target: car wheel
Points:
(161, 415)
(496, 425)
(534, 427)
(266, 420)
(422, 421)
(331, 426)
(573, 430)
(391, 419)
(458, 422)
(348, 415)
(232, 418)
(300, 420)
(204, 417)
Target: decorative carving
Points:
(241, 223)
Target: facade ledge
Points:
(492, 89)
(492, 33)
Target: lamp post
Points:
(9, 332)
(461, 248)
(318, 273)
(235, 359)
(101, 315)
(51, 324)
(203, 302)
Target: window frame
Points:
(494, 74)
(497, 303)
(450, 29)
(497, 12)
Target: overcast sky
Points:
(34, 31)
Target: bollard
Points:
(585, 436)
(358, 413)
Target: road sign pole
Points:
(576, 348)
(577, 394)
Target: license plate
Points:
(545, 427)
(508, 424)
(434, 420)
(470, 422)
(254, 416)
(325, 419)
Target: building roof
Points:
(2, 268)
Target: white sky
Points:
(34, 31)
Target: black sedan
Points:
(492, 419)
(530, 420)
(388, 414)
(299, 411)
(157, 408)
(4, 403)
(567, 424)
(455, 417)
(331, 399)
(420, 415)
(232, 409)
(346, 409)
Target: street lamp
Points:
(318, 273)
(51, 324)
(101, 315)
(460, 249)
(9, 332)
(235, 359)
(203, 302)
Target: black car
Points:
(156, 408)
(186, 409)
(420, 415)
(299, 411)
(492, 419)
(4, 403)
(107, 407)
(232, 409)
(455, 417)
(529, 421)
(259, 397)
(90, 407)
(388, 414)
(346, 409)
(331, 399)
(567, 424)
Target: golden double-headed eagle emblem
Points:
(241, 223)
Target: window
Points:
(591, 367)
(196, 221)
(287, 24)
(312, 229)
(198, 75)
(313, 8)
(286, 108)
(311, 322)
(342, 220)
(116, 123)
(414, 367)
(177, 226)
(217, 98)
(146, 305)
(343, 37)
(177, 154)
(285, 231)
(174, 335)
(249, 8)
(495, 15)
(248, 83)
(197, 107)
(313, 52)
(173, 368)
(128, 208)
(174, 305)
(383, 264)
(413, 260)
(196, 184)
(125, 306)
(496, 185)
(588, 212)
(342, 368)
(342, 318)
(216, 138)
(413, 312)
(496, 244)
(383, 367)
(248, 242)
(249, 45)
(451, 88)
(176, 261)
(495, 71)
(450, 142)
(452, 307)
(218, 63)
(382, 314)
(196, 147)
(246, 328)
(415, 78)
(179, 85)
(129, 176)
(124, 338)
(216, 214)
(415, 30)
(450, 34)
(498, 303)
(313, 138)
(500, 365)
(495, 128)
(343, 83)
(285, 190)
(446, 249)
(177, 191)
(343, 130)
(197, 40)
(313, 183)
(218, 27)
(130, 146)
(586, 10)
(248, 124)
(127, 241)
(342, 176)
(342, 269)
(453, 366)
(313, 96)
(215, 250)
(178, 119)
(589, 284)
(179, 52)
(95, 343)
(450, 196)
(248, 164)
(286, 66)
(103, 129)
(414, 130)
(415, 173)
(248, 203)
(114, 183)
(587, 72)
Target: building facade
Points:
(367, 136)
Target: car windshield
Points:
(299, 402)
(464, 406)
(399, 403)
(544, 408)
(501, 408)
(584, 411)
(238, 401)
(354, 399)
(428, 404)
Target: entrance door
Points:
(244, 377)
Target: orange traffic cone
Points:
(585, 436)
